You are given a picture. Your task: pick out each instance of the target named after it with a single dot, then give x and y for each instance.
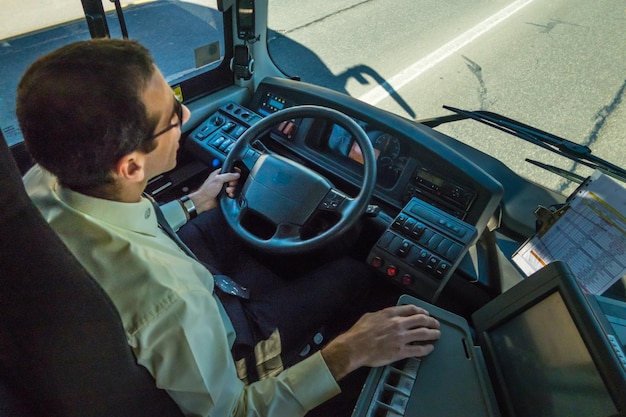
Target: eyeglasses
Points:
(179, 114)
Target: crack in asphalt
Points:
(321, 19)
(601, 117)
(553, 23)
(477, 70)
(604, 113)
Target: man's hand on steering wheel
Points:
(205, 197)
(287, 194)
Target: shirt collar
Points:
(137, 217)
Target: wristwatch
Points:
(188, 206)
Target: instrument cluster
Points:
(391, 160)
(390, 157)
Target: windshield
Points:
(557, 65)
(186, 39)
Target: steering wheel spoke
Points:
(335, 201)
(288, 194)
(287, 233)
(249, 157)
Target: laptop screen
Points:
(546, 354)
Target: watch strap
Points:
(188, 207)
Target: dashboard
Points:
(412, 161)
(398, 168)
(436, 201)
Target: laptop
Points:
(542, 348)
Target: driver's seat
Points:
(63, 351)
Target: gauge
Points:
(387, 144)
(385, 161)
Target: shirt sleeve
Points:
(174, 214)
(191, 359)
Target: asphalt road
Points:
(558, 65)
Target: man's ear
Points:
(131, 167)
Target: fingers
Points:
(422, 320)
(420, 341)
(231, 191)
(383, 337)
(408, 309)
(205, 197)
(417, 330)
(413, 316)
(418, 351)
(228, 178)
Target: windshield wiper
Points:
(578, 179)
(579, 153)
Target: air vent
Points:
(394, 389)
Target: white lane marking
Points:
(395, 83)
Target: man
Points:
(100, 120)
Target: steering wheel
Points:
(288, 194)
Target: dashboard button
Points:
(395, 243)
(454, 251)
(408, 225)
(216, 142)
(444, 245)
(417, 230)
(385, 240)
(422, 257)
(406, 280)
(399, 221)
(426, 235)
(442, 269)
(404, 249)
(434, 241)
(432, 263)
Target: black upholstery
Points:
(22, 157)
(63, 351)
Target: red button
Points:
(407, 280)
(289, 128)
(392, 271)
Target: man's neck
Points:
(127, 193)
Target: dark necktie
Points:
(165, 226)
(223, 282)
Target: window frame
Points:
(194, 87)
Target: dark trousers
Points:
(332, 296)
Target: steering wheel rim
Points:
(285, 238)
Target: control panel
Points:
(421, 248)
(270, 103)
(428, 185)
(451, 381)
(218, 133)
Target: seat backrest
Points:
(22, 157)
(63, 350)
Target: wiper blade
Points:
(579, 153)
(578, 179)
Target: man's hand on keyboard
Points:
(381, 338)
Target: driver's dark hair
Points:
(80, 109)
